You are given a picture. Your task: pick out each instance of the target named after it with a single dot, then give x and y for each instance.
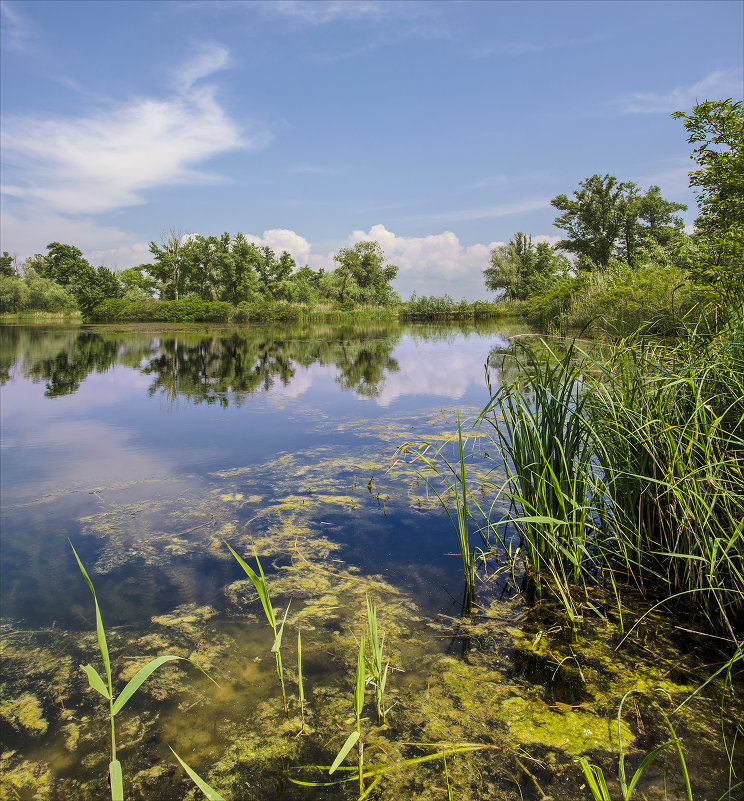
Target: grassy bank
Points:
(193, 309)
(35, 317)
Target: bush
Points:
(187, 310)
(14, 294)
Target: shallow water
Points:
(147, 448)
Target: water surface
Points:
(147, 448)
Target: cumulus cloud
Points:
(106, 159)
(434, 264)
(100, 244)
(716, 86)
(280, 239)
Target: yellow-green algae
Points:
(22, 712)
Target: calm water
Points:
(148, 448)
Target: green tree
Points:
(593, 219)
(362, 268)
(609, 219)
(62, 263)
(717, 255)
(138, 279)
(92, 285)
(8, 264)
(167, 267)
(523, 269)
(647, 220)
(14, 294)
(718, 128)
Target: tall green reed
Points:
(546, 444)
(378, 674)
(670, 442)
(262, 588)
(447, 477)
(106, 689)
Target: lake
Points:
(148, 449)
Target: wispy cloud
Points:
(212, 58)
(481, 212)
(507, 49)
(17, 32)
(108, 158)
(320, 12)
(715, 86)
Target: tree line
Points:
(226, 268)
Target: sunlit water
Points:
(149, 449)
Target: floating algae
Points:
(24, 712)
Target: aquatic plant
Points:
(455, 476)
(355, 738)
(595, 777)
(106, 688)
(669, 422)
(378, 673)
(208, 791)
(547, 448)
(262, 589)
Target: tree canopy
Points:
(607, 218)
(522, 268)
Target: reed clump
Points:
(627, 465)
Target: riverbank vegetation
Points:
(633, 264)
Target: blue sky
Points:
(438, 128)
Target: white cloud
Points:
(482, 212)
(212, 58)
(279, 239)
(100, 244)
(716, 86)
(108, 158)
(434, 264)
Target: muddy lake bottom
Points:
(149, 450)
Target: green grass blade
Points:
(259, 583)
(95, 681)
(649, 758)
(100, 631)
(136, 681)
(593, 776)
(300, 689)
(370, 788)
(278, 638)
(116, 780)
(360, 680)
(208, 791)
(621, 755)
(681, 756)
(345, 748)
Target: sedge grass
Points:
(546, 447)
